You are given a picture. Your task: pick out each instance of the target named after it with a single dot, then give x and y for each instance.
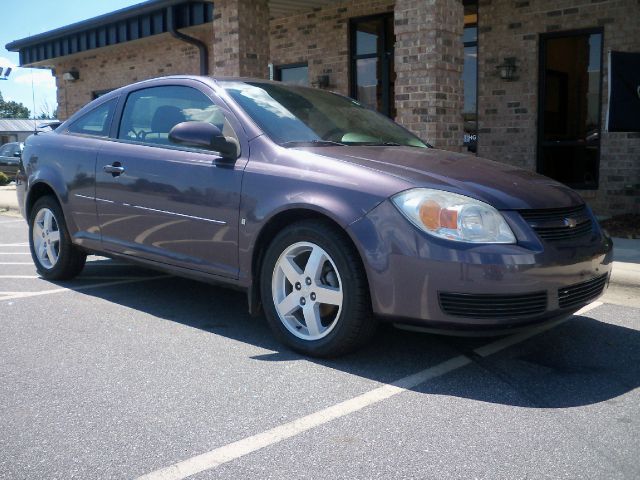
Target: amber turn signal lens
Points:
(434, 217)
(430, 214)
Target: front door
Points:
(372, 67)
(569, 107)
(163, 202)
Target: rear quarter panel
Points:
(65, 163)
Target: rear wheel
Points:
(315, 292)
(55, 257)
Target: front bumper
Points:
(496, 286)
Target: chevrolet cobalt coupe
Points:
(330, 216)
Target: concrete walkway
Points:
(8, 199)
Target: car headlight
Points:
(453, 216)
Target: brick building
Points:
(517, 81)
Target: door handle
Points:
(115, 169)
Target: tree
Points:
(13, 109)
(47, 112)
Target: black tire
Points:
(71, 259)
(354, 324)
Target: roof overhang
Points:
(284, 8)
(131, 23)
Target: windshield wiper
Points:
(311, 143)
(381, 144)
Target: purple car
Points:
(329, 215)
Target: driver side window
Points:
(151, 113)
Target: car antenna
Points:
(33, 100)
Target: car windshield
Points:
(299, 116)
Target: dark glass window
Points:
(470, 75)
(4, 151)
(297, 74)
(569, 122)
(96, 122)
(151, 113)
(15, 148)
(98, 93)
(372, 67)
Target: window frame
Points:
(542, 62)
(475, 44)
(277, 73)
(388, 93)
(211, 95)
(109, 124)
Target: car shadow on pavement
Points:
(581, 362)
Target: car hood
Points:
(501, 185)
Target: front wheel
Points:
(55, 257)
(315, 292)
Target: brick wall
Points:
(118, 65)
(241, 45)
(320, 37)
(508, 110)
(429, 60)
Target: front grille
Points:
(559, 224)
(493, 306)
(581, 293)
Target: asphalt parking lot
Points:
(125, 372)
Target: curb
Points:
(625, 274)
(8, 200)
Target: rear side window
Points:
(151, 113)
(95, 122)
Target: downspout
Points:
(202, 47)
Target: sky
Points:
(22, 18)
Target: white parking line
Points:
(83, 277)
(12, 221)
(15, 253)
(93, 263)
(80, 287)
(235, 450)
(23, 244)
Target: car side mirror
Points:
(205, 135)
(17, 154)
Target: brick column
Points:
(429, 56)
(241, 38)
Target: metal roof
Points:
(131, 23)
(19, 125)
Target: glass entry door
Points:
(569, 107)
(372, 70)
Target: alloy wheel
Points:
(307, 291)
(46, 238)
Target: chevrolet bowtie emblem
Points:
(570, 222)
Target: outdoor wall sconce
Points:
(71, 76)
(322, 81)
(508, 69)
(6, 73)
